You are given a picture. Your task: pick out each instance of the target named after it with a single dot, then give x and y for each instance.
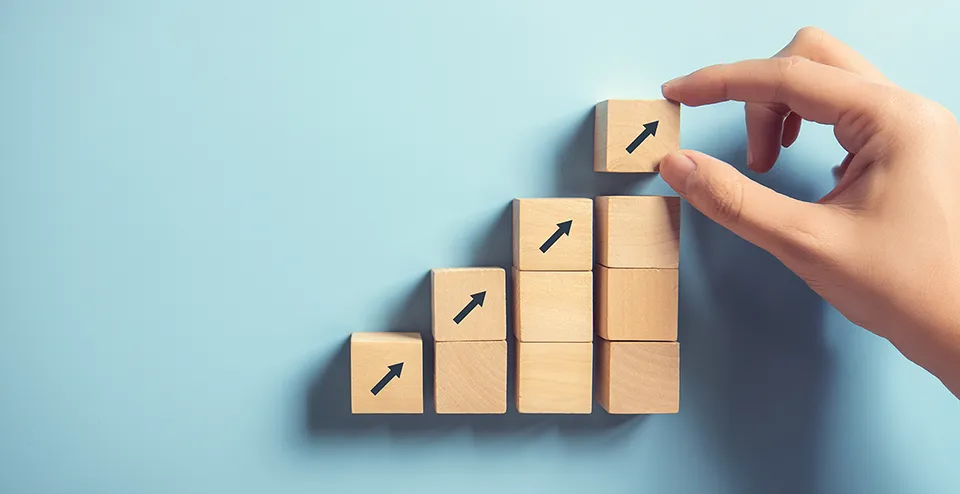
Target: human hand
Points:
(883, 247)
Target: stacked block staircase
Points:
(565, 302)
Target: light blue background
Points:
(200, 201)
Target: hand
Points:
(883, 246)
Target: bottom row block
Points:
(554, 377)
(386, 373)
(638, 377)
(470, 377)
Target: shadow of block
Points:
(754, 367)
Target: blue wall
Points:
(199, 201)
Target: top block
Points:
(633, 136)
(553, 234)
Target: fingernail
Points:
(667, 87)
(675, 169)
(671, 81)
(750, 159)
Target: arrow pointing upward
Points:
(562, 229)
(475, 300)
(393, 372)
(649, 129)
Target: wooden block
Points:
(636, 304)
(553, 306)
(638, 377)
(386, 373)
(633, 136)
(469, 304)
(553, 234)
(554, 377)
(638, 231)
(471, 376)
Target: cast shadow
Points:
(327, 400)
(754, 366)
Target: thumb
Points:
(783, 226)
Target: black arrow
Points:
(475, 300)
(393, 372)
(649, 129)
(562, 229)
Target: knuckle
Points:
(889, 101)
(787, 67)
(723, 76)
(790, 64)
(933, 112)
(918, 114)
(810, 37)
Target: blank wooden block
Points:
(638, 231)
(469, 304)
(553, 306)
(638, 377)
(633, 136)
(471, 376)
(636, 304)
(386, 373)
(554, 377)
(553, 234)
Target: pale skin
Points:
(882, 247)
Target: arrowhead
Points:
(565, 227)
(651, 127)
(396, 368)
(478, 298)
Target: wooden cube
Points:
(386, 373)
(638, 231)
(471, 377)
(553, 234)
(636, 304)
(554, 377)
(638, 377)
(633, 136)
(469, 304)
(553, 306)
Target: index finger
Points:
(815, 91)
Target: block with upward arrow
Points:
(469, 304)
(553, 234)
(386, 373)
(633, 136)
